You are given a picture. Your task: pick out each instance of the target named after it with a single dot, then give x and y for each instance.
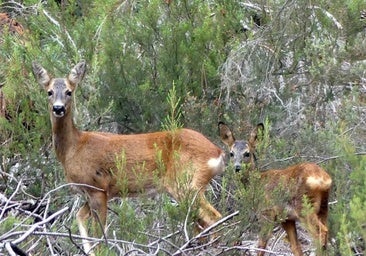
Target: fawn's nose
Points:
(237, 168)
(58, 110)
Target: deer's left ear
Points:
(77, 73)
(226, 135)
(256, 134)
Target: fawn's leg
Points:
(290, 227)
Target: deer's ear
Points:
(41, 75)
(77, 73)
(226, 135)
(256, 134)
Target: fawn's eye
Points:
(69, 93)
(231, 154)
(246, 154)
(50, 93)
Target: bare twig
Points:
(204, 232)
(74, 243)
(9, 249)
(330, 16)
(159, 239)
(187, 215)
(35, 226)
(245, 248)
(9, 200)
(45, 227)
(101, 226)
(13, 250)
(57, 24)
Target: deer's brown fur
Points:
(106, 165)
(301, 182)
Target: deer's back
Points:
(134, 162)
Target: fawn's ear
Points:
(226, 135)
(256, 135)
(77, 73)
(41, 75)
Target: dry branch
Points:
(204, 232)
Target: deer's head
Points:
(59, 89)
(241, 151)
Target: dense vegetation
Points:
(298, 66)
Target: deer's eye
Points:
(246, 154)
(50, 93)
(231, 154)
(69, 93)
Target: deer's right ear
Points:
(256, 134)
(226, 135)
(41, 75)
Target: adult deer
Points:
(302, 182)
(107, 165)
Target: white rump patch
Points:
(318, 182)
(217, 164)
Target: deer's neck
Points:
(64, 134)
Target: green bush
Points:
(286, 62)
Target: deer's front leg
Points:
(96, 207)
(82, 217)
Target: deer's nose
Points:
(58, 110)
(237, 168)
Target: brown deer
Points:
(301, 182)
(107, 165)
(11, 26)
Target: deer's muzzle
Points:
(58, 110)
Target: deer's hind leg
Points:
(323, 218)
(316, 221)
(290, 227)
(207, 214)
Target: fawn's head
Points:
(241, 151)
(59, 89)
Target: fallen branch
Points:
(35, 226)
(13, 250)
(204, 232)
